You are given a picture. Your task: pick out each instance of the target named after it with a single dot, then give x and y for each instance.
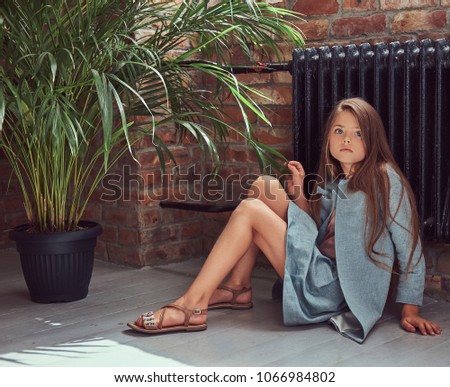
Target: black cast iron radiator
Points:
(409, 84)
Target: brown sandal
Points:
(151, 326)
(232, 304)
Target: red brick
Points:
(315, 29)
(192, 230)
(233, 173)
(196, 155)
(182, 192)
(156, 235)
(280, 116)
(129, 198)
(8, 186)
(101, 250)
(414, 21)
(109, 233)
(126, 186)
(158, 255)
(285, 48)
(93, 212)
(96, 195)
(128, 237)
(355, 26)
(277, 95)
(12, 203)
(5, 169)
(124, 255)
(167, 135)
(147, 199)
(236, 134)
(254, 78)
(359, 5)
(402, 4)
(208, 244)
(316, 7)
(186, 140)
(171, 252)
(433, 36)
(214, 224)
(282, 77)
(128, 159)
(13, 219)
(141, 119)
(237, 154)
(159, 193)
(183, 215)
(120, 216)
(147, 158)
(149, 217)
(274, 136)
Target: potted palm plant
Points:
(74, 74)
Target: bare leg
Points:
(255, 224)
(269, 191)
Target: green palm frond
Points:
(75, 73)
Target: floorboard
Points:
(93, 331)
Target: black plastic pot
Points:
(57, 266)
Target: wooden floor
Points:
(93, 332)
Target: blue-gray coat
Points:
(365, 284)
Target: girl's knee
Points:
(248, 207)
(264, 187)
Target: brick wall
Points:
(136, 230)
(11, 208)
(342, 21)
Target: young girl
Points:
(334, 251)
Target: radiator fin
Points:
(408, 83)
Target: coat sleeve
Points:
(411, 280)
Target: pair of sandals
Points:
(149, 324)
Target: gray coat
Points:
(364, 284)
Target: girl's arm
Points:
(412, 277)
(411, 321)
(294, 185)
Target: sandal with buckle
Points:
(232, 304)
(151, 326)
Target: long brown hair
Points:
(369, 176)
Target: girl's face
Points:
(346, 143)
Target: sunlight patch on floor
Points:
(98, 352)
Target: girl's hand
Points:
(411, 321)
(294, 184)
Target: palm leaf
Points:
(74, 74)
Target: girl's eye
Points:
(358, 133)
(338, 131)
